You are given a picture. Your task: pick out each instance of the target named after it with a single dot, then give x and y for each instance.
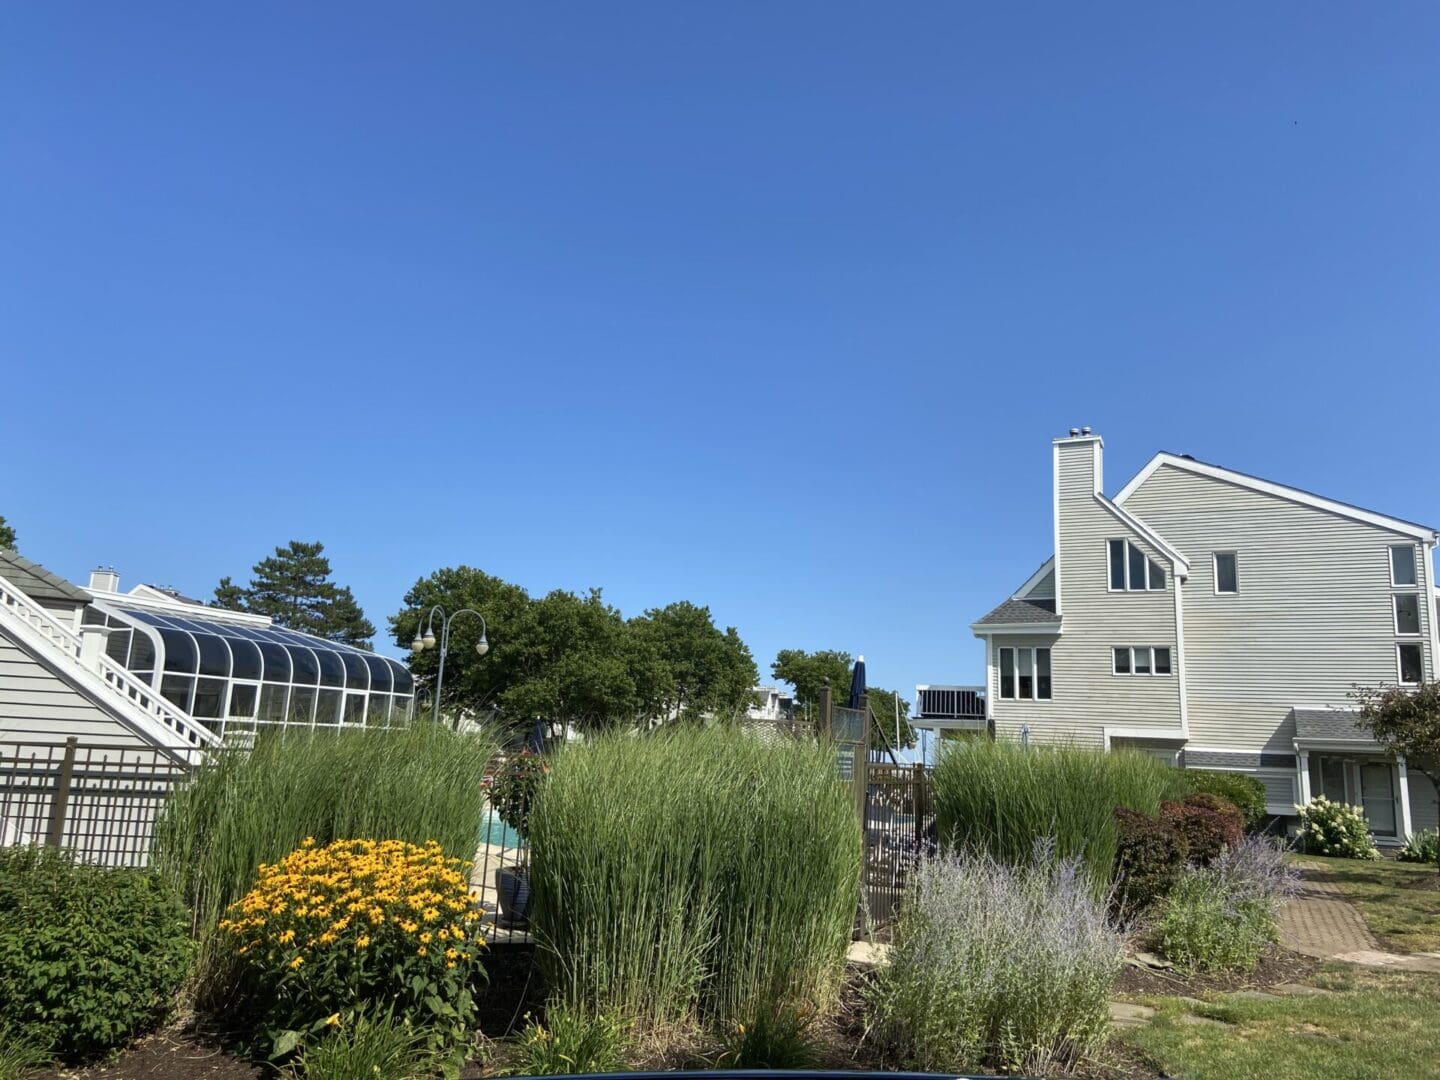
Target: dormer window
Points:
(1131, 570)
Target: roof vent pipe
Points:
(1085, 430)
(1074, 432)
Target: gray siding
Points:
(37, 705)
(1313, 615)
(1087, 696)
(1044, 589)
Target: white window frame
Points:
(1034, 651)
(1414, 566)
(1151, 673)
(1400, 668)
(1419, 630)
(1109, 585)
(1215, 573)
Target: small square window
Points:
(1142, 661)
(1402, 564)
(1122, 661)
(1162, 661)
(1407, 613)
(1412, 663)
(1227, 574)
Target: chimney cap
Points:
(1074, 432)
(1085, 430)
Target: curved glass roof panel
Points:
(180, 652)
(214, 654)
(246, 656)
(357, 675)
(332, 670)
(277, 661)
(307, 668)
(404, 681)
(380, 677)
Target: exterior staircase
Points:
(83, 661)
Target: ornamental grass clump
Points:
(419, 783)
(1000, 798)
(356, 924)
(997, 965)
(693, 875)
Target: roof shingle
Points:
(36, 582)
(1022, 611)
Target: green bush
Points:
(568, 1042)
(1220, 917)
(1000, 965)
(513, 790)
(89, 956)
(1244, 792)
(1206, 831)
(1335, 828)
(1148, 862)
(774, 1038)
(368, 1046)
(693, 874)
(418, 783)
(1422, 847)
(1002, 798)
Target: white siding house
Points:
(1220, 621)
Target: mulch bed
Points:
(169, 1055)
(1277, 966)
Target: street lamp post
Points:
(420, 644)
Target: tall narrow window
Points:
(1042, 674)
(1402, 564)
(1407, 613)
(1122, 660)
(1227, 572)
(1138, 580)
(1007, 673)
(1162, 661)
(1117, 565)
(1142, 660)
(1412, 663)
(1027, 674)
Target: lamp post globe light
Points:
(428, 641)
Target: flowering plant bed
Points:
(379, 922)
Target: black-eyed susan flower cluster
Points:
(358, 924)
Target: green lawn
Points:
(1405, 918)
(1376, 1023)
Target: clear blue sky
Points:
(773, 307)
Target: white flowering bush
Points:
(1335, 828)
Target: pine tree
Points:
(7, 534)
(294, 589)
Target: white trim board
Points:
(1268, 487)
(1179, 563)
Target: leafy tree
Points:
(808, 672)
(701, 670)
(1406, 722)
(7, 534)
(294, 589)
(472, 682)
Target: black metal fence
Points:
(899, 830)
(100, 802)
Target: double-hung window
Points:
(1140, 660)
(1024, 673)
(1131, 570)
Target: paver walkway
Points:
(1320, 922)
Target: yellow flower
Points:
(362, 941)
(421, 951)
(429, 914)
(286, 936)
(333, 1020)
(425, 938)
(296, 962)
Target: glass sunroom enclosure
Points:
(233, 673)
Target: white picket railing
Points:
(137, 695)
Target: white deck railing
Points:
(129, 692)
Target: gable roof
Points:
(1185, 463)
(1158, 542)
(36, 582)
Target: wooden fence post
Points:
(55, 829)
(825, 722)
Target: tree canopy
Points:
(7, 534)
(1406, 722)
(293, 588)
(572, 658)
(808, 672)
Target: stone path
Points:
(1320, 922)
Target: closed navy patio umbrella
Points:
(857, 682)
